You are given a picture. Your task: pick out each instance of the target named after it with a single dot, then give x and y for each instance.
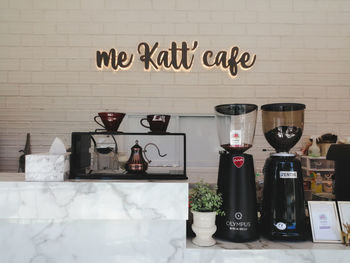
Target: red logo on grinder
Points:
(238, 161)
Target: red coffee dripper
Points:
(110, 120)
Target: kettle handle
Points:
(161, 155)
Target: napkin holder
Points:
(47, 167)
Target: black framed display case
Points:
(82, 155)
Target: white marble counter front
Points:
(122, 221)
(95, 200)
(92, 221)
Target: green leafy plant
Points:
(204, 198)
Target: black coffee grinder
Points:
(236, 180)
(283, 211)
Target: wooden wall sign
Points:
(176, 58)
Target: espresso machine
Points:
(283, 210)
(236, 179)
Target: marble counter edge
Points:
(267, 245)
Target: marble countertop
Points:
(264, 250)
(263, 243)
(69, 199)
(129, 221)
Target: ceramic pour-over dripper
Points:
(110, 120)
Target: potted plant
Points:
(205, 203)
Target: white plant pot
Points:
(204, 227)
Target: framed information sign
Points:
(344, 213)
(324, 222)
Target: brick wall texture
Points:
(50, 86)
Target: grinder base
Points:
(283, 210)
(236, 182)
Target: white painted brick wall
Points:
(49, 84)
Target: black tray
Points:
(129, 176)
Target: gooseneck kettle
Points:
(136, 162)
